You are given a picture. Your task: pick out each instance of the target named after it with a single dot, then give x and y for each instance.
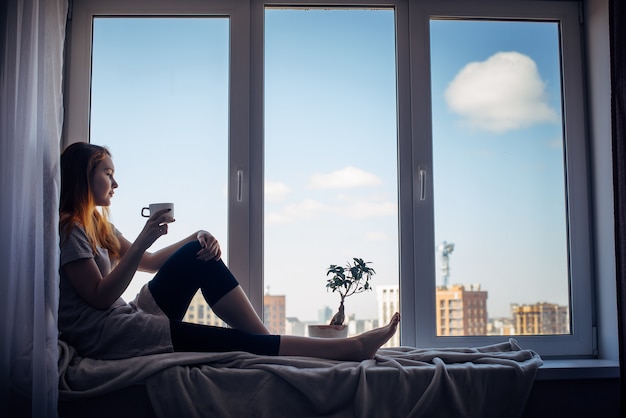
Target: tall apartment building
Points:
(274, 313)
(388, 304)
(541, 318)
(199, 312)
(461, 311)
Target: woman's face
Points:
(103, 184)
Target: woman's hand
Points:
(210, 247)
(155, 227)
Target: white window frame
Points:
(580, 343)
(416, 229)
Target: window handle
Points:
(239, 185)
(422, 178)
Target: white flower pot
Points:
(328, 331)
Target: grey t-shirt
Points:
(121, 331)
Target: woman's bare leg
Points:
(360, 347)
(235, 309)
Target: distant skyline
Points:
(160, 102)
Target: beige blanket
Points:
(490, 381)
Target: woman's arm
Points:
(152, 262)
(100, 292)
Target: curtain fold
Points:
(32, 36)
(617, 30)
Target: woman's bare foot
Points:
(361, 347)
(371, 341)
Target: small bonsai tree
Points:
(348, 280)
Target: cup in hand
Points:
(146, 212)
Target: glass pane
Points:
(499, 178)
(330, 163)
(160, 103)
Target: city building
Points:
(541, 318)
(293, 326)
(388, 304)
(324, 315)
(461, 311)
(274, 313)
(501, 326)
(359, 326)
(199, 312)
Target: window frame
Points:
(416, 229)
(580, 342)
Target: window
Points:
(463, 160)
(159, 101)
(330, 156)
(498, 164)
(420, 161)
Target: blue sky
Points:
(160, 103)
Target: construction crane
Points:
(445, 248)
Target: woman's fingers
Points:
(155, 227)
(162, 217)
(209, 253)
(210, 247)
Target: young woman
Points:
(98, 263)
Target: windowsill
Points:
(578, 369)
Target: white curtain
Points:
(32, 34)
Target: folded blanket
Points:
(490, 381)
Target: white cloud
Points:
(307, 209)
(348, 177)
(362, 210)
(556, 143)
(276, 191)
(312, 209)
(377, 236)
(503, 93)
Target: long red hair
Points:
(78, 163)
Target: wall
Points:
(593, 397)
(599, 100)
(574, 398)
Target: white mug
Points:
(155, 207)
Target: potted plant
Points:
(346, 280)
